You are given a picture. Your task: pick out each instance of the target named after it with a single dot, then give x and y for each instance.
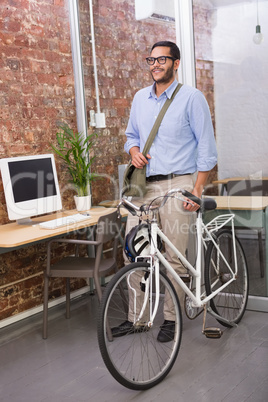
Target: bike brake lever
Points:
(177, 197)
(184, 200)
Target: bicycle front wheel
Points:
(137, 360)
(230, 303)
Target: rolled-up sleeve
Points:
(201, 125)
(132, 133)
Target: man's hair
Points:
(174, 50)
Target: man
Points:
(181, 156)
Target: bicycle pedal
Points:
(212, 332)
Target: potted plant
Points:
(73, 148)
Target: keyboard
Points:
(64, 221)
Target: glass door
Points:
(231, 68)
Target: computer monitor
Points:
(31, 186)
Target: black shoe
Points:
(127, 327)
(123, 329)
(167, 331)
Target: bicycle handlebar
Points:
(191, 197)
(134, 209)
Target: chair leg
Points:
(98, 288)
(261, 254)
(99, 293)
(45, 307)
(91, 286)
(68, 297)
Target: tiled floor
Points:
(68, 366)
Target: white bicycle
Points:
(138, 360)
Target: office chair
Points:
(107, 230)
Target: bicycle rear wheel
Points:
(137, 360)
(230, 303)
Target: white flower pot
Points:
(82, 203)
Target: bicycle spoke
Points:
(230, 302)
(137, 360)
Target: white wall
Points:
(241, 90)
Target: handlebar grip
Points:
(129, 206)
(131, 210)
(191, 197)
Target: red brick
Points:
(121, 15)
(8, 312)
(4, 113)
(121, 103)
(65, 47)
(50, 79)
(7, 38)
(20, 3)
(104, 12)
(4, 302)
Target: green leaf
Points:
(73, 149)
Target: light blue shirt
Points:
(185, 140)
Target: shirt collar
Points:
(168, 92)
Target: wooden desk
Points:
(224, 182)
(241, 203)
(250, 212)
(13, 235)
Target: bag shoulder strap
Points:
(157, 123)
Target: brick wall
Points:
(37, 95)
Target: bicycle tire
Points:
(137, 360)
(231, 302)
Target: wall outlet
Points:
(92, 118)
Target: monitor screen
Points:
(30, 185)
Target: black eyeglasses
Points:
(160, 60)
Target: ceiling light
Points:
(258, 37)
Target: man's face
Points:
(163, 73)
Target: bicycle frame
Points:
(141, 303)
(156, 256)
